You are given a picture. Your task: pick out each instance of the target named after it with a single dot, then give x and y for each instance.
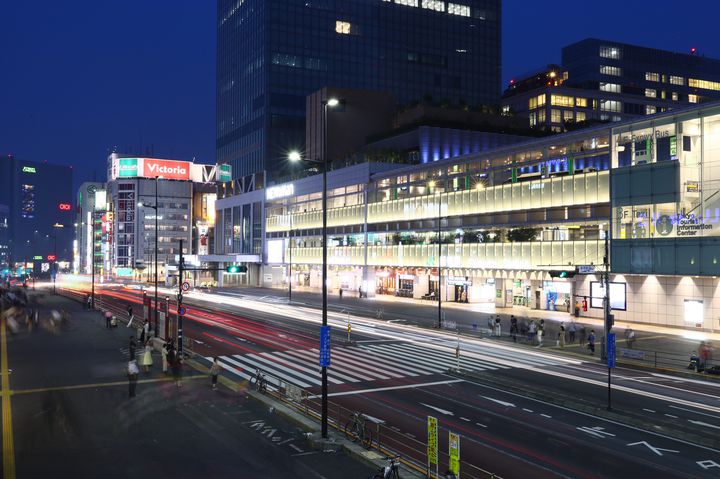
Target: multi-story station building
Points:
(509, 222)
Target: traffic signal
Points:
(562, 274)
(235, 269)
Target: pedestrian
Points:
(583, 335)
(214, 371)
(629, 337)
(523, 327)
(513, 328)
(132, 372)
(164, 353)
(341, 291)
(591, 342)
(567, 305)
(540, 336)
(131, 349)
(491, 325)
(498, 326)
(176, 366)
(561, 335)
(129, 311)
(360, 291)
(146, 360)
(146, 328)
(142, 331)
(577, 308)
(108, 317)
(532, 329)
(571, 332)
(88, 301)
(703, 355)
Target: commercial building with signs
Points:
(143, 190)
(600, 80)
(4, 245)
(91, 240)
(40, 213)
(272, 53)
(511, 227)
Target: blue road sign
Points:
(324, 346)
(611, 350)
(182, 311)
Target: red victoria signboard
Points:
(64, 206)
(167, 169)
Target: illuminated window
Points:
(436, 5)
(692, 98)
(650, 76)
(455, 9)
(27, 201)
(561, 100)
(541, 116)
(610, 52)
(409, 3)
(581, 102)
(704, 84)
(674, 96)
(650, 93)
(342, 28)
(567, 115)
(536, 101)
(610, 87)
(533, 119)
(580, 116)
(676, 80)
(650, 109)
(608, 70)
(610, 105)
(555, 116)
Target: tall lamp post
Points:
(54, 261)
(295, 156)
(433, 184)
(156, 209)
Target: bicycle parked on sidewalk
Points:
(356, 430)
(259, 382)
(391, 471)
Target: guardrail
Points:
(387, 439)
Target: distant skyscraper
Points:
(272, 53)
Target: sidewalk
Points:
(72, 416)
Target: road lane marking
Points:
(656, 450)
(650, 410)
(479, 424)
(391, 388)
(700, 423)
(502, 403)
(287, 371)
(440, 410)
(309, 358)
(97, 385)
(671, 416)
(250, 364)
(465, 419)
(545, 415)
(527, 410)
(695, 412)
(7, 426)
(293, 362)
(596, 431)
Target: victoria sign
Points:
(166, 169)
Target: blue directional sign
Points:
(611, 350)
(324, 346)
(182, 311)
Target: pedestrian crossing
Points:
(364, 363)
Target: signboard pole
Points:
(432, 444)
(179, 302)
(454, 452)
(608, 323)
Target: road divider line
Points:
(390, 388)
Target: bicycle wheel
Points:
(367, 438)
(351, 430)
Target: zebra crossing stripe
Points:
(273, 372)
(363, 359)
(229, 368)
(291, 372)
(270, 379)
(346, 375)
(292, 362)
(406, 363)
(352, 365)
(466, 360)
(429, 361)
(440, 361)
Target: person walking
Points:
(513, 328)
(629, 337)
(146, 360)
(591, 342)
(129, 311)
(498, 326)
(132, 372)
(108, 319)
(132, 349)
(540, 334)
(142, 332)
(164, 354)
(341, 292)
(176, 366)
(561, 335)
(571, 332)
(583, 335)
(88, 301)
(491, 326)
(214, 371)
(532, 329)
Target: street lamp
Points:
(155, 207)
(295, 156)
(431, 185)
(54, 261)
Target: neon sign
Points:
(51, 257)
(64, 206)
(29, 169)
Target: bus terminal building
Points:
(520, 227)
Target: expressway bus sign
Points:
(432, 442)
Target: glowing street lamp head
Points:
(333, 102)
(294, 156)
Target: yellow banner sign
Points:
(432, 444)
(454, 449)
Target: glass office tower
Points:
(272, 53)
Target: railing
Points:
(387, 439)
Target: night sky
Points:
(80, 77)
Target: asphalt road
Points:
(72, 417)
(398, 374)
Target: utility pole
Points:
(157, 212)
(181, 263)
(439, 231)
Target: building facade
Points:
(91, 232)
(40, 212)
(600, 80)
(272, 53)
(510, 228)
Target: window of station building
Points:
(610, 87)
(610, 70)
(343, 28)
(555, 116)
(676, 80)
(580, 116)
(651, 76)
(650, 109)
(436, 5)
(607, 51)
(610, 105)
(675, 96)
(650, 93)
(704, 84)
(562, 100)
(456, 9)
(408, 3)
(533, 119)
(581, 102)
(568, 115)
(536, 102)
(542, 116)
(692, 98)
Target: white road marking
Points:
(700, 423)
(465, 419)
(527, 410)
(502, 403)
(671, 416)
(694, 412)
(545, 415)
(656, 450)
(650, 410)
(441, 411)
(481, 425)
(596, 431)
(390, 388)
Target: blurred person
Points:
(146, 360)
(214, 371)
(132, 372)
(131, 349)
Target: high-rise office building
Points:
(272, 53)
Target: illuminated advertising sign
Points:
(281, 191)
(51, 257)
(64, 206)
(167, 169)
(127, 167)
(29, 169)
(225, 173)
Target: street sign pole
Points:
(432, 445)
(179, 302)
(608, 318)
(454, 453)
